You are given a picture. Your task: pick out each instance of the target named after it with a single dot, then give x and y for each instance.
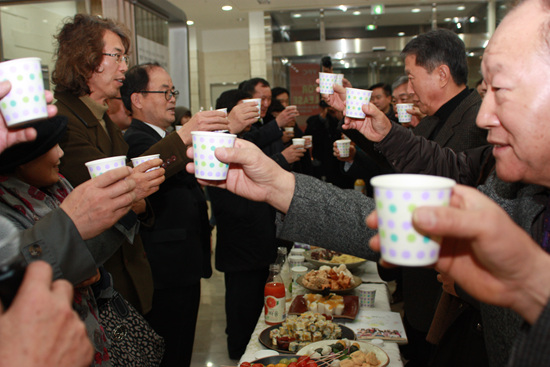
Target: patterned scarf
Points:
(34, 203)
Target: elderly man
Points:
(381, 97)
(178, 243)
(516, 122)
(91, 59)
(400, 94)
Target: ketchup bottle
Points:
(274, 297)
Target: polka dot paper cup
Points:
(100, 166)
(355, 99)
(139, 160)
(326, 83)
(207, 166)
(402, 113)
(340, 79)
(397, 195)
(343, 147)
(366, 297)
(26, 101)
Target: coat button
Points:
(35, 250)
(479, 327)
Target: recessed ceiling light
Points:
(461, 7)
(357, 12)
(447, 19)
(415, 10)
(371, 27)
(190, 22)
(227, 8)
(296, 15)
(401, 34)
(343, 8)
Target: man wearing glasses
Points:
(178, 244)
(91, 59)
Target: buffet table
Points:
(369, 276)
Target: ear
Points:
(444, 74)
(136, 100)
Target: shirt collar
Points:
(445, 111)
(159, 130)
(98, 110)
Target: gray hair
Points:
(399, 81)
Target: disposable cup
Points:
(396, 196)
(366, 297)
(402, 113)
(340, 79)
(139, 160)
(299, 141)
(343, 147)
(222, 110)
(298, 271)
(297, 251)
(326, 82)
(178, 127)
(258, 101)
(289, 129)
(296, 260)
(309, 141)
(207, 166)
(100, 166)
(26, 101)
(355, 99)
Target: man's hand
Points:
(241, 116)
(99, 203)
(148, 182)
(9, 137)
(252, 175)
(287, 136)
(485, 252)
(337, 100)
(349, 158)
(374, 127)
(40, 328)
(293, 153)
(287, 117)
(204, 121)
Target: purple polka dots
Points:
(406, 195)
(391, 224)
(406, 254)
(433, 254)
(441, 195)
(393, 253)
(389, 194)
(425, 195)
(407, 226)
(420, 255)
(380, 221)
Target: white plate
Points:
(365, 348)
(265, 353)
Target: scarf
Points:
(34, 203)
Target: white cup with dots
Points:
(26, 101)
(326, 83)
(100, 166)
(355, 99)
(396, 196)
(207, 166)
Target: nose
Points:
(122, 66)
(60, 151)
(410, 88)
(486, 117)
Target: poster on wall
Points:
(302, 88)
(150, 51)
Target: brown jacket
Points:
(86, 140)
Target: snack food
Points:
(335, 278)
(332, 304)
(334, 257)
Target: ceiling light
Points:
(343, 8)
(227, 8)
(459, 25)
(461, 7)
(473, 19)
(296, 15)
(190, 22)
(415, 10)
(401, 34)
(346, 65)
(357, 12)
(371, 27)
(447, 19)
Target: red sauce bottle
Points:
(274, 297)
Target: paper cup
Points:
(343, 147)
(402, 113)
(309, 141)
(207, 166)
(297, 251)
(223, 110)
(367, 297)
(340, 79)
(26, 101)
(258, 101)
(289, 129)
(298, 271)
(139, 160)
(100, 166)
(355, 99)
(178, 127)
(396, 196)
(296, 260)
(326, 82)
(299, 141)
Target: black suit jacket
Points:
(178, 243)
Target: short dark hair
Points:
(384, 86)
(326, 61)
(230, 98)
(80, 51)
(277, 91)
(436, 47)
(275, 106)
(249, 86)
(136, 80)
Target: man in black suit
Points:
(178, 242)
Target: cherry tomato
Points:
(311, 364)
(302, 361)
(293, 364)
(257, 365)
(245, 364)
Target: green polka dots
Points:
(26, 99)
(382, 233)
(20, 77)
(379, 205)
(203, 147)
(411, 237)
(411, 208)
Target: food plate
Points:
(357, 282)
(351, 307)
(365, 348)
(264, 338)
(275, 359)
(319, 263)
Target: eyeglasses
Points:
(168, 94)
(119, 57)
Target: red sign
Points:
(302, 88)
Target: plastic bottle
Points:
(282, 261)
(359, 185)
(274, 297)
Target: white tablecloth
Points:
(368, 274)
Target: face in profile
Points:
(42, 171)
